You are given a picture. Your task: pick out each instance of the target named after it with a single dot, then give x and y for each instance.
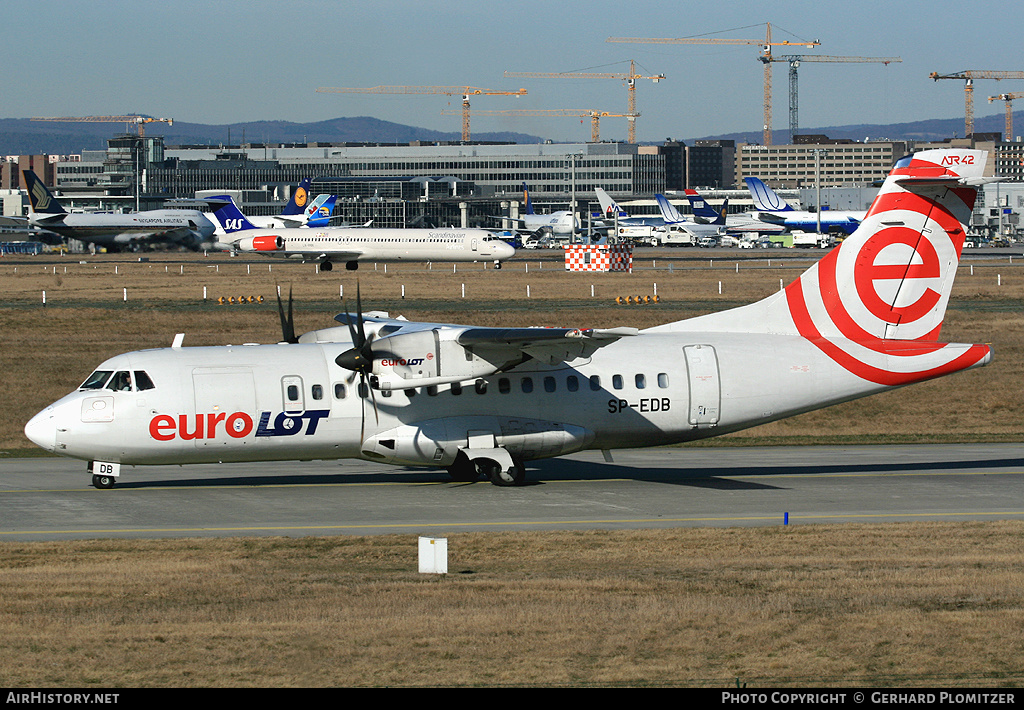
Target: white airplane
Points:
(734, 223)
(350, 245)
(772, 208)
(189, 228)
(559, 223)
(484, 401)
(673, 218)
(610, 210)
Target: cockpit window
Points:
(142, 381)
(96, 380)
(120, 382)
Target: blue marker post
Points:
(785, 518)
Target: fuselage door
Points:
(473, 243)
(291, 391)
(705, 385)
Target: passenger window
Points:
(96, 380)
(339, 390)
(363, 390)
(640, 381)
(527, 385)
(120, 382)
(318, 392)
(142, 381)
(504, 386)
(663, 380)
(595, 383)
(617, 382)
(572, 383)
(549, 384)
(293, 393)
(481, 386)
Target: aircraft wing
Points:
(548, 345)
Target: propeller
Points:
(359, 358)
(287, 323)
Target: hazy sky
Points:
(234, 61)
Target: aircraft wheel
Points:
(103, 482)
(492, 469)
(351, 265)
(326, 266)
(497, 265)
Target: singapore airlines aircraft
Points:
(188, 228)
(350, 245)
(485, 401)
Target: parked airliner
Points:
(189, 228)
(351, 245)
(483, 401)
(299, 212)
(772, 208)
(734, 223)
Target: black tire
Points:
(494, 473)
(326, 266)
(103, 482)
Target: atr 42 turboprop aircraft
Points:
(350, 245)
(772, 208)
(484, 401)
(189, 228)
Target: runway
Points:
(51, 498)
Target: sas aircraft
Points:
(485, 401)
(772, 208)
(299, 212)
(189, 228)
(351, 245)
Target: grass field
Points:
(926, 604)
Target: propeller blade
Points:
(287, 323)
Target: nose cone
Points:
(42, 430)
(504, 250)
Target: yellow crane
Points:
(968, 78)
(630, 79)
(136, 122)
(1008, 98)
(794, 62)
(766, 57)
(464, 91)
(595, 116)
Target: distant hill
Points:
(22, 136)
(936, 129)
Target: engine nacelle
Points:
(430, 357)
(266, 242)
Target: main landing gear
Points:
(103, 482)
(465, 470)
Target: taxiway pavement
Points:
(51, 498)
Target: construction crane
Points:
(595, 116)
(968, 78)
(464, 91)
(794, 62)
(131, 122)
(1008, 98)
(629, 78)
(766, 57)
